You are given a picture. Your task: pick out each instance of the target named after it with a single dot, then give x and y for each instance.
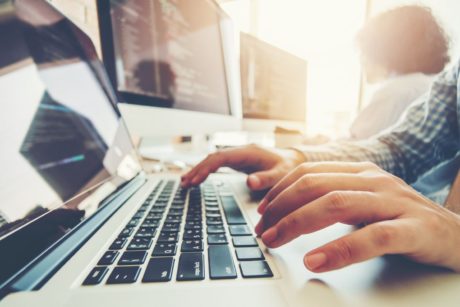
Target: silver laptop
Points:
(82, 225)
(80, 221)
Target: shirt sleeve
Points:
(428, 135)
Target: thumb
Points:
(264, 179)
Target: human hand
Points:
(399, 219)
(265, 166)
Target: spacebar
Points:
(232, 211)
(220, 262)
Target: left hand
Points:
(399, 219)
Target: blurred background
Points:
(322, 32)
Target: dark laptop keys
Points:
(164, 249)
(215, 229)
(127, 231)
(195, 234)
(244, 241)
(146, 232)
(232, 211)
(255, 269)
(190, 267)
(159, 269)
(239, 230)
(119, 243)
(220, 262)
(108, 258)
(139, 244)
(95, 276)
(217, 239)
(168, 237)
(192, 246)
(124, 275)
(249, 253)
(132, 257)
(171, 227)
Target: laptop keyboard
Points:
(174, 230)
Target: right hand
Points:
(265, 166)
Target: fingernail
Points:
(270, 235)
(314, 261)
(254, 181)
(259, 228)
(261, 208)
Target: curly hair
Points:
(406, 39)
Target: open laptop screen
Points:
(63, 145)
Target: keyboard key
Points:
(220, 262)
(119, 243)
(244, 241)
(212, 215)
(148, 232)
(239, 230)
(217, 239)
(168, 237)
(173, 219)
(164, 249)
(232, 211)
(193, 234)
(127, 231)
(192, 246)
(171, 227)
(151, 223)
(155, 216)
(212, 210)
(215, 229)
(190, 267)
(132, 257)
(159, 210)
(175, 212)
(249, 253)
(254, 269)
(138, 215)
(195, 226)
(134, 222)
(124, 275)
(195, 218)
(108, 258)
(159, 269)
(214, 221)
(140, 244)
(95, 276)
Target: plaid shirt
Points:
(428, 135)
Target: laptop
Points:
(81, 224)
(80, 221)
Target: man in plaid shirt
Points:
(363, 182)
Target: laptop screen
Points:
(64, 148)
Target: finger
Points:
(308, 188)
(387, 237)
(264, 179)
(314, 168)
(351, 207)
(231, 158)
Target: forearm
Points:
(371, 150)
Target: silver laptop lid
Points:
(64, 147)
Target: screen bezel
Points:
(108, 57)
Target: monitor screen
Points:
(168, 53)
(273, 81)
(64, 147)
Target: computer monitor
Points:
(169, 61)
(273, 86)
